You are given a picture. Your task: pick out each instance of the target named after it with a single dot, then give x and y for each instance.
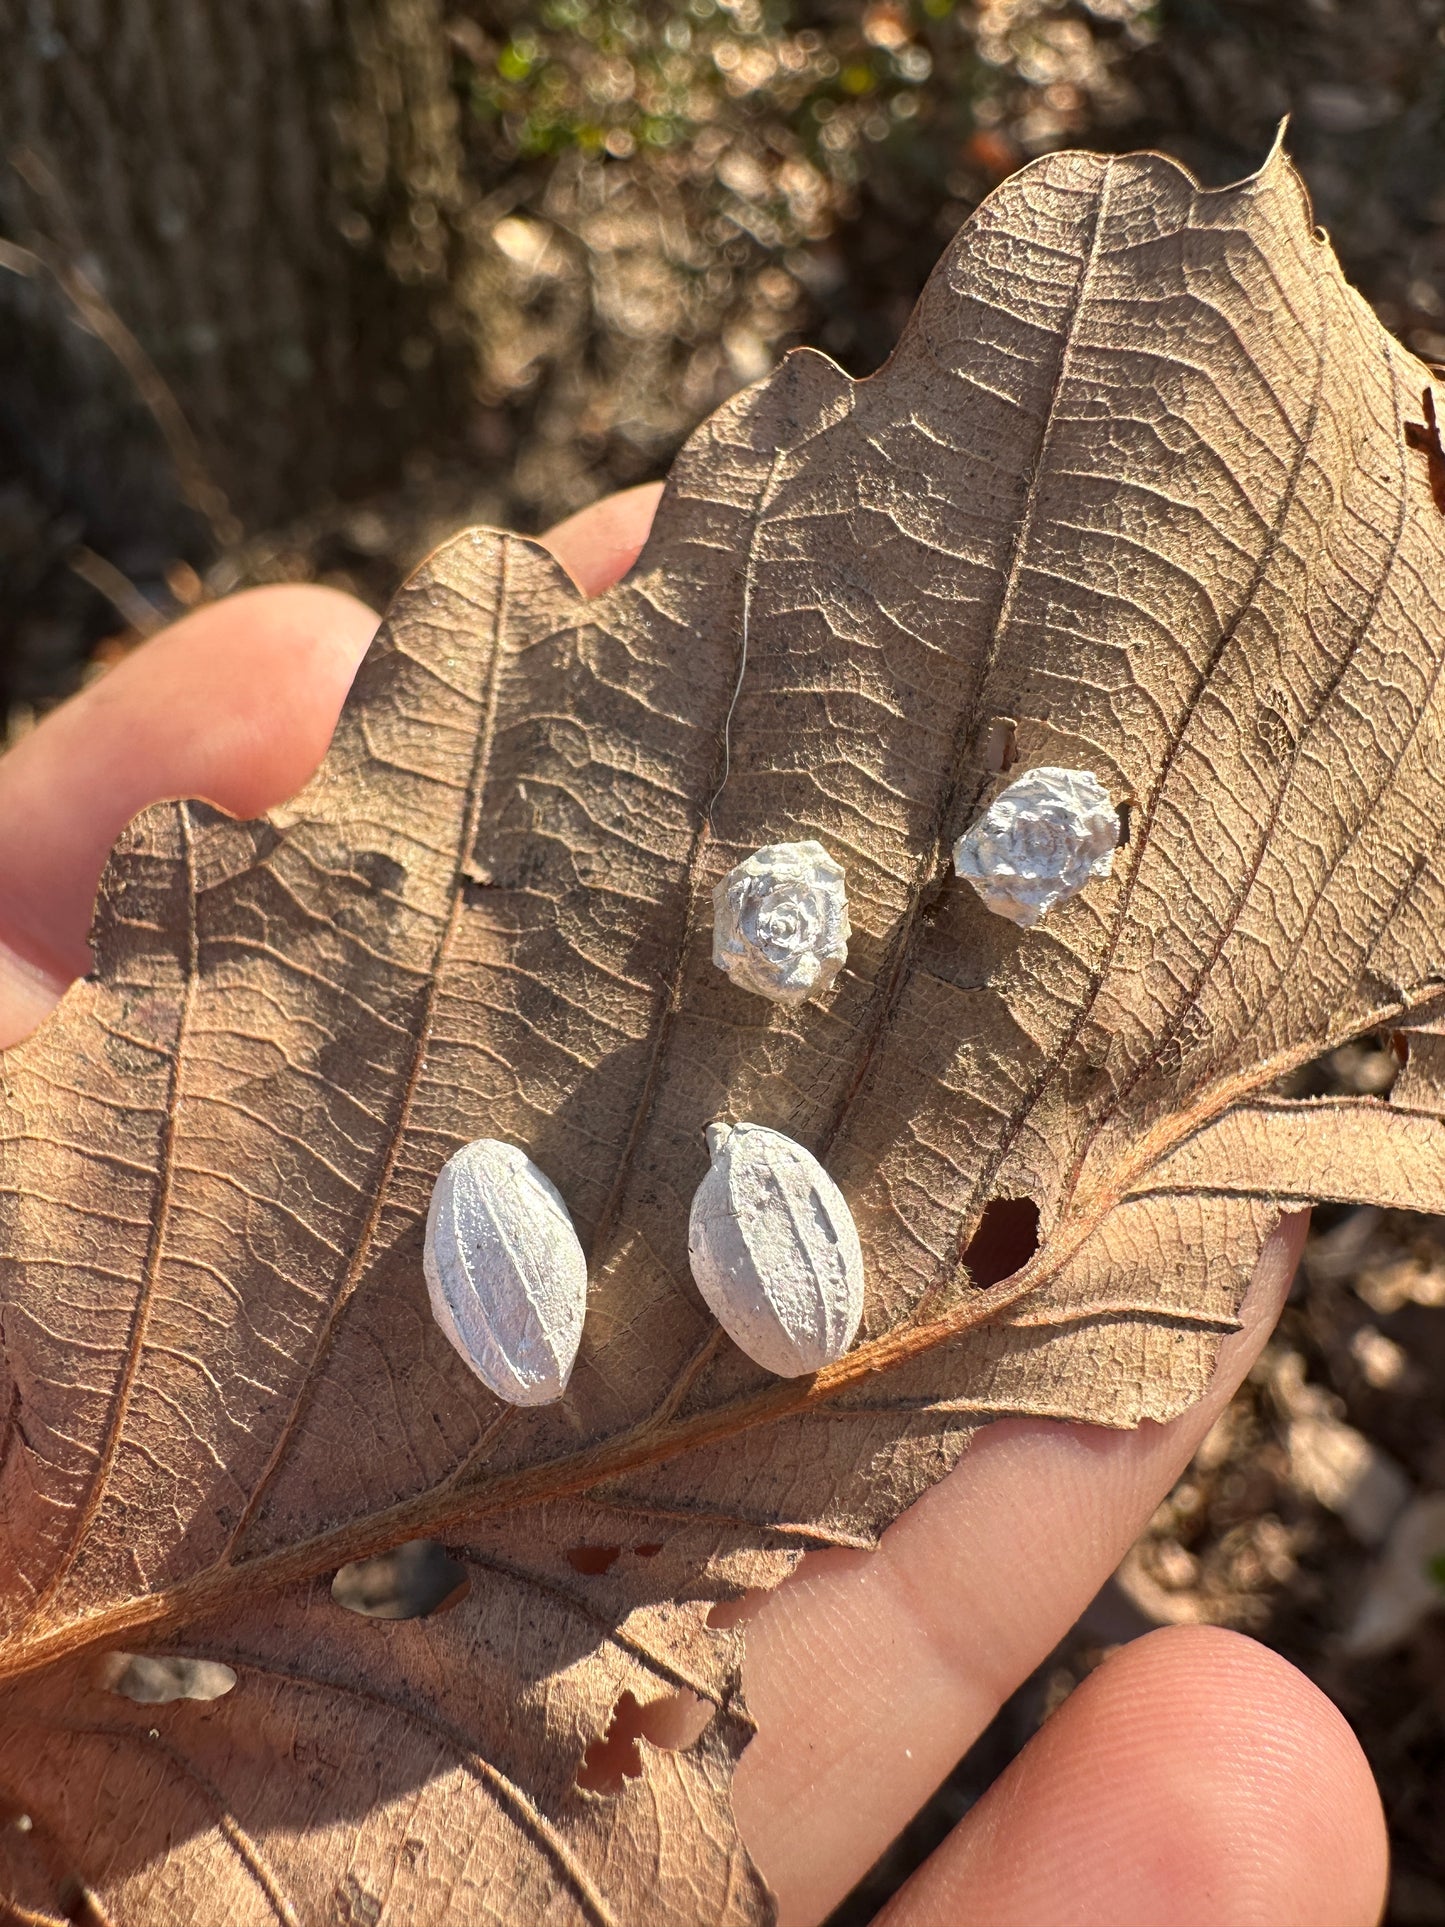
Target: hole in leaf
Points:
(674, 1723)
(1366, 1067)
(650, 1550)
(1006, 1238)
(1124, 812)
(79, 1905)
(593, 1560)
(409, 1582)
(152, 1679)
(1425, 437)
(1001, 750)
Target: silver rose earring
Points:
(1039, 842)
(780, 922)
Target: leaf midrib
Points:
(1147, 818)
(162, 1194)
(356, 1268)
(933, 864)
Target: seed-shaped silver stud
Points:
(780, 922)
(775, 1252)
(505, 1271)
(1039, 842)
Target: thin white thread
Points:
(765, 502)
(737, 691)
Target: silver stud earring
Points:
(775, 1252)
(505, 1271)
(1039, 842)
(780, 922)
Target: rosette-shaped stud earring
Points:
(780, 922)
(1039, 842)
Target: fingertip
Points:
(302, 610)
(1288, 1808)
(1195, 1778)
(599, 544)
(262, 675)
(234, 704)
(909, 1651)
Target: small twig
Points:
(106, 325)
(117, 588)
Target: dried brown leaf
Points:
(1134, 494)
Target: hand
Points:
(1195, 1777)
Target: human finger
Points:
(599, 544)
(1195, 1780)
(870, 1674)
(234, 704)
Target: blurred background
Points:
(290, 289)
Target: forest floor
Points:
(631, 287)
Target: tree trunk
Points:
(264, 193)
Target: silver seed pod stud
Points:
(505, 1271)
(780, 922)
(1039, 842)
(775, 1252)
